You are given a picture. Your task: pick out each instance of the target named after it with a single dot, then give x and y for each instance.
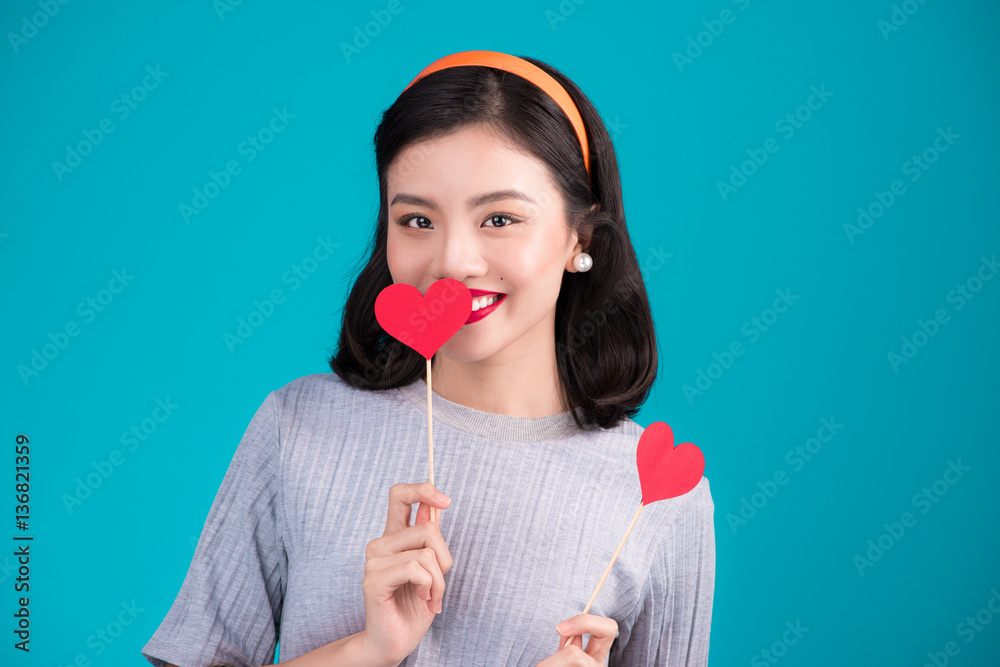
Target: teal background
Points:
(677, 130)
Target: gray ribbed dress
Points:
(538, 509)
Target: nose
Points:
(459, 254)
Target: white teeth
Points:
(483, 302)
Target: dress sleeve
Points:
(228, 610)
(671, 624)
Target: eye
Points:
(405, 221)
(491, 221)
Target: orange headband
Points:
(525, 70)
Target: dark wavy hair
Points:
(605, 341)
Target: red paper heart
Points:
(424, 322)
(666, 471)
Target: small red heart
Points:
(424, 322)
(666, 471)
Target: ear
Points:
(585, 233)
(583, 236)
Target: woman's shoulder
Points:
(312, 384)
(688, 517)
(323, 392)
(621, 442)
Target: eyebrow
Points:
(488, 198)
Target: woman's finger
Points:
(424, 515)
(571, 655)
(382, 584)
(577, 642)
(401, 499)
(427, 559)
(602, 631)
(426, 534)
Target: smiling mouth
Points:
(480, 302)
(481, 311)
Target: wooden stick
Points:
(430, 435)
(607, 570)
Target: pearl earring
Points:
(583, 262)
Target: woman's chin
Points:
(466, 347)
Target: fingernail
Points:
(560, 627)
(440, 605)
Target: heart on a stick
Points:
(424, 322)
(666, 471)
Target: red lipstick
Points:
(477, 315)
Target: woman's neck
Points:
(516, 390)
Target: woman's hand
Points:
(404, 575)
(602, 631)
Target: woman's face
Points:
(490, 217)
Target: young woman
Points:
(498, 172)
